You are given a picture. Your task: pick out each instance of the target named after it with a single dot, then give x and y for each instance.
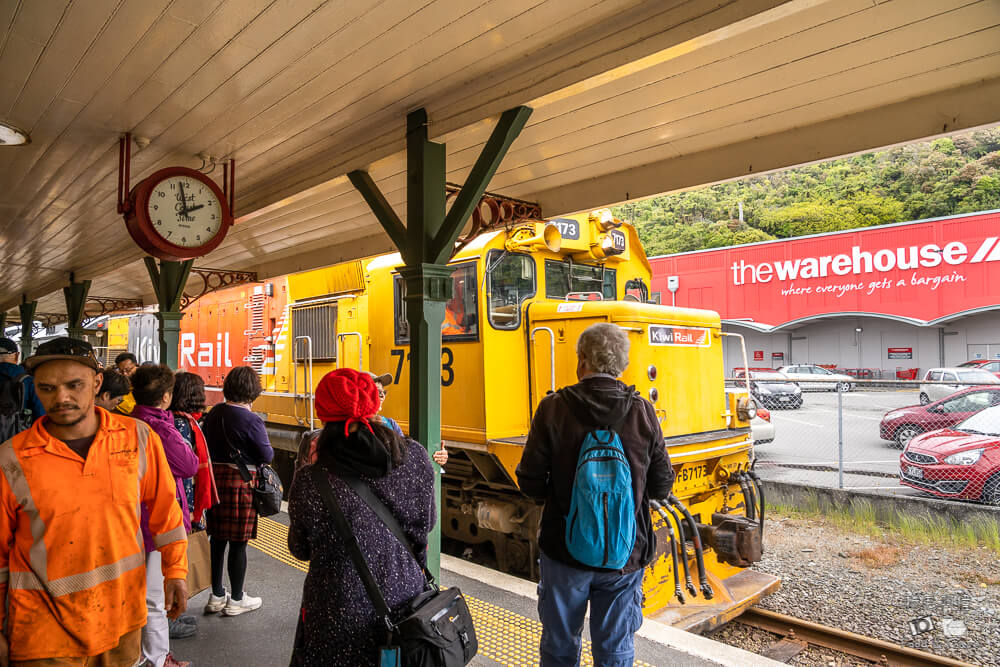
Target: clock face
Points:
(184, 211)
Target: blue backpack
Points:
(600, 528)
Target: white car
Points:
(809, 376)
(953, 379)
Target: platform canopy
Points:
(631, 98)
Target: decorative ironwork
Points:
(495, 211)
(216, 279)
(111, 304)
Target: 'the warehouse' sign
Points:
(922, 271)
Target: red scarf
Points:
(206, 494)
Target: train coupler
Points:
(735, 539)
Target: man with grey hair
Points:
(547, 473)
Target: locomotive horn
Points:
(658, 506)
(550, 239)
(699, 555)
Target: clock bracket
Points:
(124, 176)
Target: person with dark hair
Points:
(126, 363)
(233, 430)
(152, 387)
(187, 405)
(114, 387)
(72, 568)
(337, 623)
(19, 404)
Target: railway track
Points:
(798, 633)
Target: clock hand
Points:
(195, 208)
(183, 199)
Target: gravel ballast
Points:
(876, 586)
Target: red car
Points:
(960, 462)
(991, 365)
(899, 426)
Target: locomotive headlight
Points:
(966, 458)
(653, 394)
(746, 409)
(651, 373)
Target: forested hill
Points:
(960, 174)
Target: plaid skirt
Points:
(234, 518)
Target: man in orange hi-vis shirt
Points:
(72, 560)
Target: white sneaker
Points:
(237, 607)
(216, 603)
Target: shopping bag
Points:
(199, 576)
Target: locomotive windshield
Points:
(579, 282)
(511, 280)
(461, 315)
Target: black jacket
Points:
(548, 463)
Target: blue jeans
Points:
(615, 614)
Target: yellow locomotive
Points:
(521, 297)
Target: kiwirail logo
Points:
(861, 262)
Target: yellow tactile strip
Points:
(504, 636)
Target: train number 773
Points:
(447, 361)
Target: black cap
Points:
(70, 349)
(7, 346)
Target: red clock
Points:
(178, 213)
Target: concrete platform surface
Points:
(503, 606)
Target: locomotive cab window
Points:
(511, 280)
(461, 314)
(568, 281)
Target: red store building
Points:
(901, 296)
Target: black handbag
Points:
(267, 490)
(435, 629)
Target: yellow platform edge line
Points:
(502, 634)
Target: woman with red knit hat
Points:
(337, 623)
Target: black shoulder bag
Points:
(435, 628)
(267, 492)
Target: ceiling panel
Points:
(630, 97)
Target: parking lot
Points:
(808, 436)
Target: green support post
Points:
(426, 244)
(76, 299)
(168, 284)
(27, 311)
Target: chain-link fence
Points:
(937, 437)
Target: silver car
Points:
(953, 379)
(809, 376)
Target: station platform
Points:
(504, 609)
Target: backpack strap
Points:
(318, 473)
(364, 492)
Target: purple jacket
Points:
(182, 459)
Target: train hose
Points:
(682, 546)
(699, 554)
(753, 495)
(759, 486)
(658, 506)
(748, 503)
